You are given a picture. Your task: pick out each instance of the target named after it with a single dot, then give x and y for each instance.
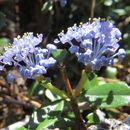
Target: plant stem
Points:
(66, 81)
(79, 118)
(80, 84)
(73, 101)
(93, 8)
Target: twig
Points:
(28, 103)
(80, 84)
(66, 81)
(93, 8)
(13, 101)
(33, 102)
(79, 118)
(125, 22)
(17, 124)
(73, 101)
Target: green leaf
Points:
(120, 12)
(46, 116)
(87, 81)
(50, 119)
(4, 42)
(109, 95)
(81, 83)
(46, 123)
(108, 2)
(92, 118)
(127, 8)
(90, 81)
(46, 84)
(128, 52)
(50, 95)
(66, 123)
(33, 88)
(21, 128)
(60, 55)
(47, 6)
(2, 20)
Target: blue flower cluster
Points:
(30, 60)
(95, 43)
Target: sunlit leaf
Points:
(47, 6)
(50, 95)
(46, 123)
(90, 81)
(87, 81)
(120, 12)
(92, 118)
(109, 95)
(108, 2)
(46, 116)
(21, 128)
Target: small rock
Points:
(112, 124)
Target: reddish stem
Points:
(66, 81)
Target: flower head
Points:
(30, 60)
(95, 43)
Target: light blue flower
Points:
(96, 43)
(51, 47)
(31, 61)
(121, 54)
(73, 49)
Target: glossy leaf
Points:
(47, 6)
(50, 95)
(109, 95)
(108, 2)
(120, 12)
(21, 128)
(90, 80)
(46, 123)
(47, 84)
(46, 116)
(92, 118)
(87, 81)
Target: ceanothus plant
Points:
(95, 44)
